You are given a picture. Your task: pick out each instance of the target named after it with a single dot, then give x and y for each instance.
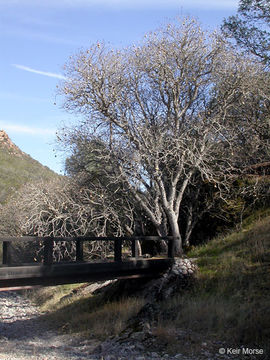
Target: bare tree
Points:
(165, 110)
(62, 208)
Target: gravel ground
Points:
(23, 336)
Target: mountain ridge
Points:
(6, 142)
(17, 168)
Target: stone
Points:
(137, 335)
(110, 357)
(146, 326)
(147, 256)
(140, 347)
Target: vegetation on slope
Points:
(229, 303)
(75, 311)
(18, 168)
(231, 299)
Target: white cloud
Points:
(44, 73)
(127, 4)
(28, 130)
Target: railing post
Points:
(171, 248)
(79, 250)
(6, 253)
(48, 251)
(134, 247)
(118, 250)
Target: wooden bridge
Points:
(48, 272)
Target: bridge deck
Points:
(77, 272)
(50, 273)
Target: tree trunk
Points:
(189, 228)
(177, 239)
(162, 231)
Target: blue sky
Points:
(38, 36)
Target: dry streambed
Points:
(25, 336)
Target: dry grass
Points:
(231, 300)
(86, 314)
(109, 319)
(52, 297)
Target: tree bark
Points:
(162, 232)
(177, 239)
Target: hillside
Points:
(17, 168)
(228, 306)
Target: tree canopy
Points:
(176, 107)
(250, 28)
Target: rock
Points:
(98, 349)
(110, 357)
(146, 327)
(180, 276)
(147, 256)
(140, 347)
(137, 335)
(95, 288)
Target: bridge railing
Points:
(49, 245)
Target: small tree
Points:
(165, 110)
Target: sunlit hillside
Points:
(17, 168)
(227, 307)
